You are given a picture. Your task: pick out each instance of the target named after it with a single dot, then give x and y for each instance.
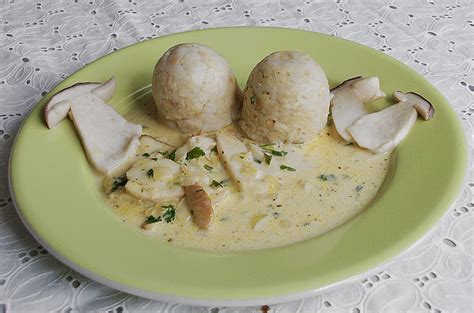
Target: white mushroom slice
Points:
(154, 180)
(228, 148)
(368, 88)
(204, 143)
(149, 144)
(59, 105)
(382, 131)
(422, 106)
(200, 206)
(347, 103)
(110, 141)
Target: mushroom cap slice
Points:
(424, 108)
(382, 131)
(346, 108)
(347, 103)
(200, 205)
(59, 105)
(368, 88)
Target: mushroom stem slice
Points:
(59, 105)
(382, 131)
(424, 108)
(348, 102)
(200, 205)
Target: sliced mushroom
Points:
(200, 205)
(382, 131)
(149, 144)
(59, 105)
(155, 179)
(424, 108)
(109, 140)
(347, 103)
(230, 148)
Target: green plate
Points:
(58, 200)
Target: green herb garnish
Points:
(151, 219)
(194, 153)
(119, 182)
(154, 159)
(172, 155)
(208, 168)
(257, 161)
(146, 155)
(359, 188)
(170, 213)
(287, 168)
(150, 173)
(329, 177)
(267, 157)
(216, 184)
(266, 148)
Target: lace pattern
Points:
(42, 42)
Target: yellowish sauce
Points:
(332, 183)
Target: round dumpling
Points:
(286, 99)
(194, 89)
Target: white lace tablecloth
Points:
(42, 42)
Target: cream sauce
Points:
(332, 183)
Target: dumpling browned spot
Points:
(200, 205)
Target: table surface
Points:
(42, 42)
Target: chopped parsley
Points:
(216, 184)
(267, 145)
(146, 155)
(163, 153)
(287, 168)
(119, 182)
(170, 213)
(257, 161)
(277, 153)
(253, 100)
(151, 219)
(154, 159)
(150, 173)
(359, 188)
(208, 168)
(267, 157)
(172, 155)
(267, 148)
(329, 177)
(195, 153)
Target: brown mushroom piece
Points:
(424, 108)
(200, 205)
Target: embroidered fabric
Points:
(42, 42)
